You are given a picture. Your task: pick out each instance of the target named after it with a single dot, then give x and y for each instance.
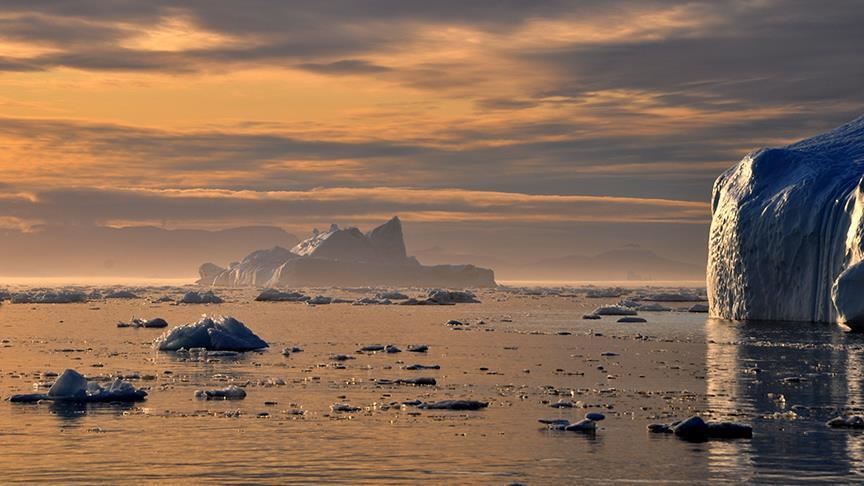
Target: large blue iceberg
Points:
(222, 333)
(786, 232)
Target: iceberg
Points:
(72, 386)
(201, 298)
(787, 232)
(343, 257)
(213, 334)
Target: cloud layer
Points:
(540, 113)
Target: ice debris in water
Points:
(455, 405)
(614, 310)
(201, 298)
(232, 392)
(696, 429)
(273, 295)
(156, 322)
(71, 386)
(344, 407)
(588, 424)
(850, 422)
(214, 334)
(445, 297)
(49, 297)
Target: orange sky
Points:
(628, 110)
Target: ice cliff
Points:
(344, 257)
(786, 232)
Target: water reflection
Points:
(771, 373)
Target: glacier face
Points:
(786, 223)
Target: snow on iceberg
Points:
(214, 334)
(787, 232)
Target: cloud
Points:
(642, 100)
(344, 67)
(221, 208)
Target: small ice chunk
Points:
(231, 392)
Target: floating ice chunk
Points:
(584, 425)
(850, 422)
(416, 367)
(455, 405)
(232, 392)
(344, 407)
(201, 298)
(155, 323)
(613, 310)
(700, 308)
(654, 307)
(214, 334)
(273, 295)
(696, 429)
(588, 424)
(446, 297)
(71, 386)
(422, 381)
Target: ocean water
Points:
(530, 351)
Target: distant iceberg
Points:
(343, 257)
(787, 232)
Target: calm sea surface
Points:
(784, 379)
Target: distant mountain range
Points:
(142, 251)
(629, 263)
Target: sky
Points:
(491, 127)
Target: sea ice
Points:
(49, 297)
